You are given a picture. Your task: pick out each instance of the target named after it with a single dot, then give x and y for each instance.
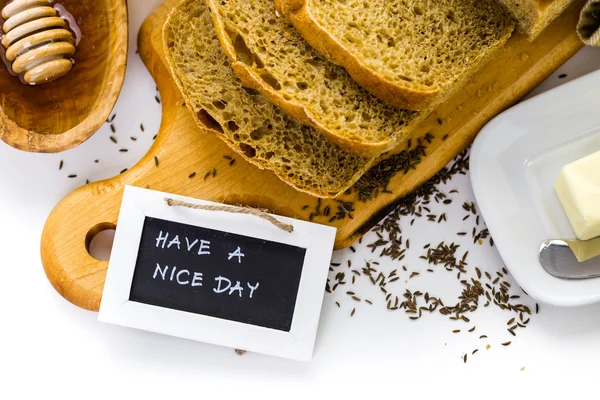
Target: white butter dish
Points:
(515, 163)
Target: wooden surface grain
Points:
(62, 114)
(181, 149)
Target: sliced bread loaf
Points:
(268, 54)
(534, 15)
(251, 125)
(413, 54)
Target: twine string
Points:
(232, 209)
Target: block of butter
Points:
(578, 188)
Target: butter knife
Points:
(571, 259)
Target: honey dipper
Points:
(37, 41)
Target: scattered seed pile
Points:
(479, 288)
(373, 183)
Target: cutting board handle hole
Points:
(99, 241)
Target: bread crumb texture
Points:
(244, 118)
(272, 49)
(419, 44)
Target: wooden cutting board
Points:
(182, 149)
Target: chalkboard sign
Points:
(229, 279)
(219, 274)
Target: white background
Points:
(52, 349)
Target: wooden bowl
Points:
(63, 114)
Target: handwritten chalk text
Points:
(184, 277)
(162, 241)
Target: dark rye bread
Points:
(413, 54)
(269, 55)
(534, 15)
(251, 125)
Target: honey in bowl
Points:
(38, 40)
(63, 102)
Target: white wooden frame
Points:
(116, 308)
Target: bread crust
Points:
(294, 109)
(390, 92)
(533, 16)
(236, 148)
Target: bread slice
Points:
(269, 55)
(534, 15)
(251, 125)
(412, 54)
